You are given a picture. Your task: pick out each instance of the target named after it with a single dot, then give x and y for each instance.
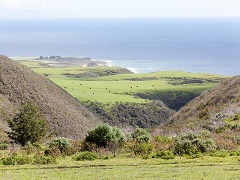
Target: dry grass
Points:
(64, 114)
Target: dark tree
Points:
(28, 125)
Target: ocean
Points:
(210, 45)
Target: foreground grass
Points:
(129, 168)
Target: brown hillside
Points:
(64, 114)
(215, 111)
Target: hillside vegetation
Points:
(63, 113)
(128, 100)
(216, 111)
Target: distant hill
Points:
(216, 111)
(64, 114)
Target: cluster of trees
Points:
(184, 80)
(143, 79)
(100, 72)
(173, 99)
(134, 115)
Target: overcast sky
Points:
(117, 8)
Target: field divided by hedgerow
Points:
(98, 83)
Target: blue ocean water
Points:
(143, 44)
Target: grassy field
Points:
(123, 87)
(130, 168)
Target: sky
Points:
(118, 8)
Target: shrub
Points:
(86, 156)
(3, 146)
(218, 154)
(104, 134)
(24, 159)
(236, 117)
(204, 114)
(40, 159)
(61, 143)
(192, 144)
(143, 149)
(53, 152)
(162, 143)
(141, 135)
(17, 160)
(164, 155)
(194, 156)
(11, 160)
(32, 148)
(235, 153)
(28, 125)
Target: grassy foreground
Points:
(129, 168)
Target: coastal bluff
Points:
(58, 61)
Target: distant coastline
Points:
(58, 61)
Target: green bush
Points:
(11, 160)
(143, 149)
(17, 160)
(235, 153)
(61, 143)
(3, 146)
(162, 139)
(24, 159)
(40, 159)
(164, 155)
(34, 148)
(218, 154)
(53, 152)
(192, 144)
(104, 134)
(86, 156)
(236, 117)
(194, 156)
(141, 135)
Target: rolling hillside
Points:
(215, 112)
(127, 100)
(64, 114)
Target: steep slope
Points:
(64, 114)
(215, 111)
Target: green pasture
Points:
(129, 168)
(121, 87)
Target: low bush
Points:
(3, 146)
(192, 144)
(163, 143)
(33, 148)
(63, 144)
(142, 149)
(164, 155)
(17, 160)
(141, 135)
(11, 160)
(194, 156)
(44, 159)
(219, 154)
(105, 134)
(53, 152)
(235, 153)
(82, 156)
